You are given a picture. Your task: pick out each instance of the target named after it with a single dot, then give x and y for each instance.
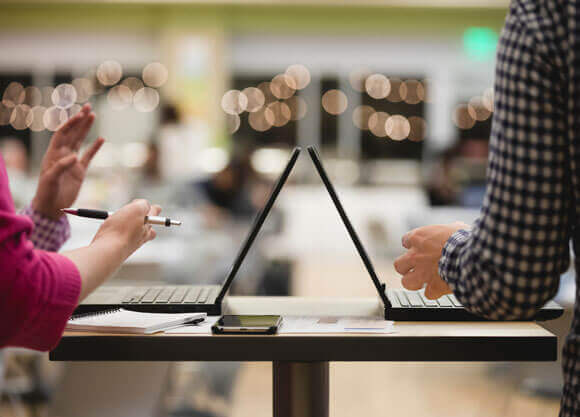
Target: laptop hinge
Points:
(383, 295)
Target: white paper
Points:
(311, 324)
(202, 328)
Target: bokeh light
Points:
(412, 91)
(269, 161)
(264, 87)
(297, 106)
(54, 117)
(84, 88)
(213, 160)
(232, 123)
(155, 74)
(47, 96)
(13, 95)
(255, 98)
(278, 114)
(395, 93)
(109, 73)
(72, 110)
(120, 97)
(300, 74)
(418, 128)
(488, 99)
(32, 96)
(361, 115)
(37, 124)
(132, 83)
(397, 127)
(146, 99)
(334, 102)
(377, 124)
(462, 118)
(258, 120)
(377, 86)
(283, 86)
(477, 109)
(64, 96)
(21, 117)
(134, 154)
(5, 113)
(234, 102)
(357, 79)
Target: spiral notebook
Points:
(124, 321)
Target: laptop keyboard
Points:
(168, 295)
(418, 299)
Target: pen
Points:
(100, 214)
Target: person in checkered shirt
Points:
(508, 264)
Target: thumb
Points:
(61, 166)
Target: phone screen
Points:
(250, 321)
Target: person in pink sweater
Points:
(39, 288)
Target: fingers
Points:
(80, 133)
(61, 166)
(151, 235)
(409, 239)
(142, 206)
(413, 280)
(436, 289)
(72, 123)
(154, 210)
(405, 262)
(91, 152)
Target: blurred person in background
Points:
(508, 265)
(40, 289)
(442, 185)
(226, 195)
(17, 165)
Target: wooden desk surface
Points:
(413, 341)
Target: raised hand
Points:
(62, 172)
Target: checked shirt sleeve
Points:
(510, 262)
(48, 234)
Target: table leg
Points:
(300, 389)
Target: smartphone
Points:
(230, 324)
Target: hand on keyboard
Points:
(419, 265)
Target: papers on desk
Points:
(306, 324)
(310, 324)
(200, 328)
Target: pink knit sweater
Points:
(38, 290)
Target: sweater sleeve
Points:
(38, 290)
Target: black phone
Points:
(247, 324)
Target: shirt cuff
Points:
(47, 234)
(449, 269)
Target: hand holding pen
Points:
(100, 214)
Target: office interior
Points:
(201, 104)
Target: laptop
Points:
(184, 298)
(402, 305)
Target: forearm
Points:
(97, 262)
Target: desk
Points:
(300, 362)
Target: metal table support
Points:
(300, 389)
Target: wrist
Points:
(112, 243)
(41, 209)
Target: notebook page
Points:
(128, 320)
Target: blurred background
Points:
(201, 103)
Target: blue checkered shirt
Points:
(508, 265)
